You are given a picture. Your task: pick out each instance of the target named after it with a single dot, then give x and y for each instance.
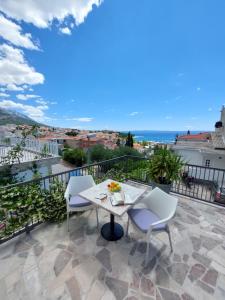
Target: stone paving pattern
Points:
(53, 264)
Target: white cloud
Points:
(43, 107)
(34, 112)
(41, 101)
(16, 74)
(198, 89)
(83, 119)
(168, 117)
(47, 119)
(134, 113)
(180, 74)
(210, 109)
(4, 95)
(42, 13)
(65, 30)
(26, 96)
(15, 70)
(12, 87)
(12, 32)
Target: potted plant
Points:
(164, 168)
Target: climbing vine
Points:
(23, 205)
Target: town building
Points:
(83, 140)
(204, 149)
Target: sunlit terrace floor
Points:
(52, 264)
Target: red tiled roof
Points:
(203, 136)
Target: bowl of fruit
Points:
(114, 187)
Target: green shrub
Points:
(22, 205)
(75, 156)
(124, 150)
(100, 153)
(165, 166)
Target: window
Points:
(207, 162)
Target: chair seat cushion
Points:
(143, 218)
(77, 201)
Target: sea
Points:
(167, 137)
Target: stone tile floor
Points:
(52, 264)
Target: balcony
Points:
(21, 155)
(49, 263)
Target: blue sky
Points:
(123, 65)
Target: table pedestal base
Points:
(112, 231)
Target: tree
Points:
(129, 140)
(75, 156)
(118, 142)
(71, 133)
(99, 153)
(15, 154)
(122, 135)
(144, 143)
(121, 151)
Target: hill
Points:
(14, 117)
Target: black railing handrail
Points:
(123, 157)
(46, 186)
(68, 171)
(96, 164)
(204, 167)
(187, 186)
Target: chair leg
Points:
(169, 235)
(68, 220)
(96, 210)
(128, 222)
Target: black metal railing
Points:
(24, 205)
(202, 183)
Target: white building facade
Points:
(205, 149)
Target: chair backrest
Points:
(161, 203)
(78, 184)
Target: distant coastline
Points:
(167, 137)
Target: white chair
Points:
(159, 208)
(74, 202)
